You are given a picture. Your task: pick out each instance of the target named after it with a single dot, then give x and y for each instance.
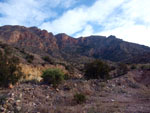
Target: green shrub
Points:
(97, 70)
(10, 71)
(53, 76)
(79, 98)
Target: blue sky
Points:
(127, 19)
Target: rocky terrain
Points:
(126, 94)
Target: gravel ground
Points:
(119, 95)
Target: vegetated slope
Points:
(64, 47)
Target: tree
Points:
(97, 70)
(10, 71)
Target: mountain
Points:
(65, 47)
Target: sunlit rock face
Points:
(61, 45)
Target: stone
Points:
(112, 100)
(57, 89)
(2, 109)
(18, 108)
(18, 101)
(20, 95)
(10, 86)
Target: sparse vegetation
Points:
(79, 98)
(133, 66)
(29, 58)
(145, 67)
(133, 85)
(10, 71)
(66, 76)
(97, 70)
(48, 59)
(69, 68)
(53, 76)
(122, 69)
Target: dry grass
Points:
(34, 72)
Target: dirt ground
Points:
(126, 94)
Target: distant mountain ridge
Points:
(64, 46)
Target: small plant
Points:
(47, 59)
(122, 69)
(29, 58)
(133, 85)
(70, 68)
(53, 76)
(97, 70)
(133, 66)
(66, 76)
(102, 84)
(145, 67)
(3, 98)
(79, 98)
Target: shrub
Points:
(10, 71)
(97, 70)
(47, 59)
(29, 58)
(53, 76)
(133, 66)
(70, 68)
(122, 69)
(112, 68)
(145, 67)
(79, 98)
(66, 76)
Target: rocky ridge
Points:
(65, 47)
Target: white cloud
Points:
(132, 24)
(77, 19)
(88, 30)
(135, 33)
(69, 23)
(30, 12)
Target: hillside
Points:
(64, 47)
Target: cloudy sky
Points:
(126, 19)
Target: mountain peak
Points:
(42, 42)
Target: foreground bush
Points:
(53, 76)
(97, 70)
(10, 71)
(79, 98)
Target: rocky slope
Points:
(64, 47)
(125, 94)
